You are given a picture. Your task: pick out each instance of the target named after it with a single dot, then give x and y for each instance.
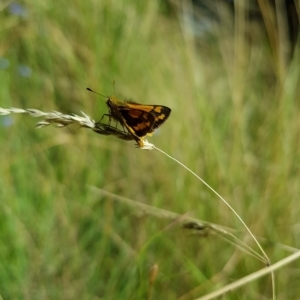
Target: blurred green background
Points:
(232, 82)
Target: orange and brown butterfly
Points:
(139, 119)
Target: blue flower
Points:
(17, 9)
(4, 63)
(6, 121)
(24, 71)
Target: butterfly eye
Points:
(109, 102)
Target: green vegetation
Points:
(235, 122)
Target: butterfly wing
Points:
(139, 122)
(161, 114)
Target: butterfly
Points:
(139, 119)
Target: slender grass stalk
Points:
(266, 260)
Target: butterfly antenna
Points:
(114, 87)
(90, 90)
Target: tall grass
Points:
(235, 122)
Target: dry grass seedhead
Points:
(61, 120)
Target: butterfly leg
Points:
(107, 115)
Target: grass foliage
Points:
(235, 122)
